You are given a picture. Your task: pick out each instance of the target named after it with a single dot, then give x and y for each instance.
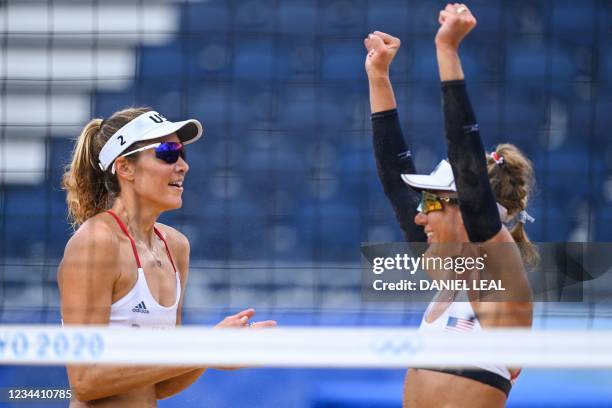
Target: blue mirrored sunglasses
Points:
(169, 152)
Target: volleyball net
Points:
(305, 347)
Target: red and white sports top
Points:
(138, 308)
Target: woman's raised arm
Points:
(393, 158)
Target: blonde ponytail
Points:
(89, 189)
(529, 252)
(84, 180)
(512, 181)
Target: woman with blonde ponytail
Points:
(472, 205)
(121, 267)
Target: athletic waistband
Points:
(482, 376)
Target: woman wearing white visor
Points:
(122, 267)
(473, 197)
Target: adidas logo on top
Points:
(140, 308)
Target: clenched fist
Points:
(456, 21)
(381, 48)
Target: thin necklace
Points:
(152, 252)
(157, 259)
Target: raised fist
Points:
(456, 21)
(381, 50)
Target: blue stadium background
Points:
(284, 178)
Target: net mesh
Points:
(282, 189)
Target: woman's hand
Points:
(241, 319)
(381, 48)
(456, 21)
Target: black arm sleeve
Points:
(467, 158)
(392, 160)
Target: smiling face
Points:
(156, 184)
(445, 225)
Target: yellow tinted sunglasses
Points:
(431, 202)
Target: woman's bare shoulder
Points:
(176, 239)
(92, 251)
(95, 231)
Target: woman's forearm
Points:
(174, 385)
(449, 63)
(98, 381)
(466, 155)
(393, 158)
(381, 94)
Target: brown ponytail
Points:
(512, 182)
(90, 190)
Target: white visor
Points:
(441, 178)
(149, 125)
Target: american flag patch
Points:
(458, 324)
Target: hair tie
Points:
(497, 158)
(510, 221)
(524, 217)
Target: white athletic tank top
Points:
(138, 308)
(459, 316)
